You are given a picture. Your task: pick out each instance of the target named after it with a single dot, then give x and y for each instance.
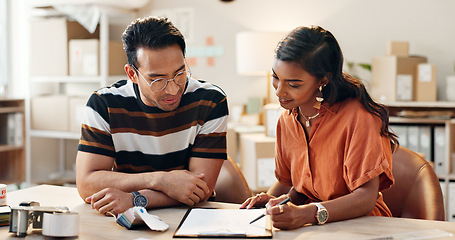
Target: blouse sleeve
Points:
(368, 154)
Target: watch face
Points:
(322, 216)
(140, 201)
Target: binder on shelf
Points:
(402, 132)
(439, 150)
(18, 136)
(442, 183)
(413, 138)
(14, 129)
(11, 129)
(451, 205)
(425, 142)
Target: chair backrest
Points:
(231, 186)
(416, 192)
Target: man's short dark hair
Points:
(150, 32)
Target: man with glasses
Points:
(157, 139)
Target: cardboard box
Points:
(50, 113)
(49, 44)
(426, 84)
(76, 113)
(85, 58)
(385, 71)
(258, 160)
(450, 87)
(57, 113)
(395, 48)
(117, 58)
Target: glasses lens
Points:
(181, 77)
(158, 84)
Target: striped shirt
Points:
(142, 138)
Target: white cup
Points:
(2, 194)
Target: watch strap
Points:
(320, 206)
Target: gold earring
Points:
(319, 98)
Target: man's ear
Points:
(131, 73)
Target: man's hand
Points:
(111, 200)
(185, 186)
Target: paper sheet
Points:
(235, 222)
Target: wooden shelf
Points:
(414, 104)
(417, 120)
(395, 108)
(11, 109)
(6, 148)
(432, 115)
(12, 158)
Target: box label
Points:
(425, 72)
(90, 64)
(404, 87)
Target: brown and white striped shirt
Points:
(142, 138)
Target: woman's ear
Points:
(326, 80)
(131, 73)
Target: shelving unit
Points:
(446, 123)
(64, 143)
(12, 154)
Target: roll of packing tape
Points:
(61, 224)
(2, 194)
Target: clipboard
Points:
(223, 223)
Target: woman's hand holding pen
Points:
(284, 216)
(291, 216)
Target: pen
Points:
(263, 215)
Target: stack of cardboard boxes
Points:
(62, 48)
(399, 76)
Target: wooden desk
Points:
(96, 226)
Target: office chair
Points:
(231, 186)
(416, 192)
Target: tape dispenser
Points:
(30, 214)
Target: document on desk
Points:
(203, 222)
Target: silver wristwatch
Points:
(139, 200)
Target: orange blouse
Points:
(344, 151)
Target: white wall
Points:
(362, 28)
(19, 47)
